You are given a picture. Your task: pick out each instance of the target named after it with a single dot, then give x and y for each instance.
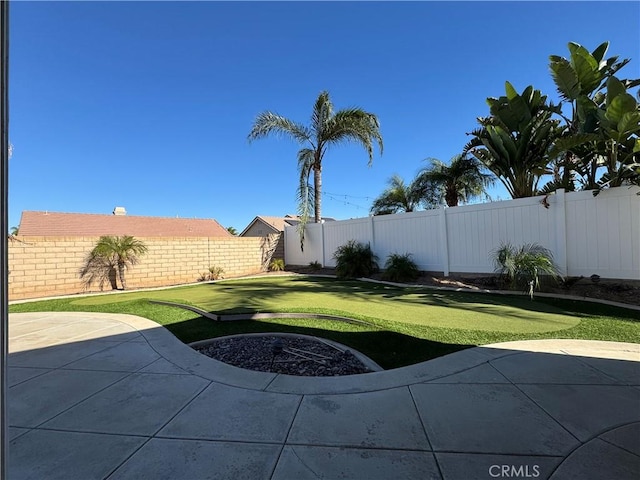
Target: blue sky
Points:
(147, 105)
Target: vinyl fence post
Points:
(561, 231)
(372, 234)
(324, 260)
(444, 242)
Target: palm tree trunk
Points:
(317, 187)
(566, 172)
(451, 197)
(121, 275)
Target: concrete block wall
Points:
(279, 249)
(45, 266)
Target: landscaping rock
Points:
(299, 356)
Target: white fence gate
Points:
(587, 235)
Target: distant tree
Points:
(327, 129)
(14, 231)
(460, 181)
(112, 254)
(400, 197)
(232, 230)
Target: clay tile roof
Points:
(90, 225)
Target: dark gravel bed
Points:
(299, 356)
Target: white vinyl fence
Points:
(587, 235)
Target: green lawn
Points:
(407, 325)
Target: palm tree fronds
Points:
(112, 252)
(460, 181)
(354, 124)
(270, 123)
(326, 129)
(322, 112)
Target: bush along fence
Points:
(586, 234)
(45, 266)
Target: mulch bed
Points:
(623, 291)
(299, 356)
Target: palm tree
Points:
(399, 197)
(326, 129)
(232, 230)
(119, 252)
(460, 181)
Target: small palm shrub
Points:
(315, 265)
(276, 265)
(216, 273)
(204, 276)
(354, 260)
(400, 268)
(522, 266)
(112, 255)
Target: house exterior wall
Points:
(46, 266)
(587, 235)
(259, 229)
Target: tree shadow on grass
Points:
(388, 349)
(255, 297)
(254, 294)
(492, 303)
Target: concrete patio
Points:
(100, 396)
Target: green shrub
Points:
(315, 265)
(521, 267)
(215, 273)
(355, 260)
(400, 268)
(276, 265)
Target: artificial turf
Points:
(407, 325)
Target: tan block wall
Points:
(279, 250)
(44, 266)
(258, 229)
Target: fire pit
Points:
(288, 354)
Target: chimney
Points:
(119, 211)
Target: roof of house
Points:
(276, 224)
(90, 225)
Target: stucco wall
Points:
(43, 266)
(258, 229)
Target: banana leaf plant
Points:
(600, 132)
(514, 142)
